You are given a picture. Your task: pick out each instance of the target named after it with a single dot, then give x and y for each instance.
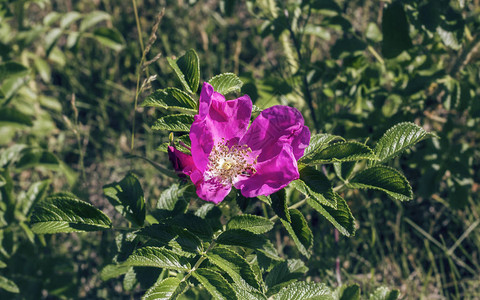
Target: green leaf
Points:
(384, 293)
(341, 217)
(35, 157)
(171, 98)
(12, 116)
(398, 138)
(8, 285)
(93, 18)
(341, 152)
(385, 179)
(194, 224)
(166, 233)
(226, 83)
(179, 143)
(283, 274)
(11, 69)
(302, 290)
(36, 192)
(243, 238)
(215, 284)
(65, 213)
(314, 184)
(69, 18)
(51, 39)
(109, 37)
(318, 142)
(395, 28)
(174, 200)
(300, 232)
(127, 198)
(187, 69)
(255, 224)
(344, 170)
(235, 266)
(180, 122)
(279, 205)
(167, 289)
(2, 265)
(351, 292)
(112, 271)
(158, 258)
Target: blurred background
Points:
(68, 79)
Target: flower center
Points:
(227, 163)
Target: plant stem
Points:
(199, 261)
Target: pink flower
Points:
(257, 161)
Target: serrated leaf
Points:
(35, 157)
(127, 198)
(180, 143)
(187, 69)
(194, 224)
(279, 205)
(109, 37)
(243, 238)
(341, 152)
(255, 224)
(12, 69)
(171, 98)
(385, 179)
(235, 266)
(167, 289)
(62, 213)
(113, 271)
(8, 285)
(158, 258)
(166, 233)
(283, 273)
(93, 18)
(319, 142)
(179, 122)
(302, 290)
(341, 217)
(314, 184)
(299, 231)
(174, 201)
(344, 170)
(245, 294)
(226, 83)
(12, 116)
(215, 284)
(384, 293)
(398, 138)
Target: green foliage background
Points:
(69, 76)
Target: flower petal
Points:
(211, 190)
(182, 163)
(274, 127)
(217, 119)
(272, 174)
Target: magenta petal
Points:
(272, 174)
(182, 163)
(212, 190)
(274, 127)
(217, 119)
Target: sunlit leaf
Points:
(65, 213)
(158, 258)
(319, 142)
(314, 184)
(341, 152)
(93, 18)
(399, 138)
(109, 37)
(11, 69)
(235, 266)
(180, 122)
(384, 293)
(8, 285)
(171, 98)
(187, 69)
(385, 179)
(226, 83)
(255, 224)
(302, 290)
(283, 274)
(341, 217)
(167, 289)
(12, 116)
(215, 284)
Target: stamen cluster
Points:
(227, 163)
